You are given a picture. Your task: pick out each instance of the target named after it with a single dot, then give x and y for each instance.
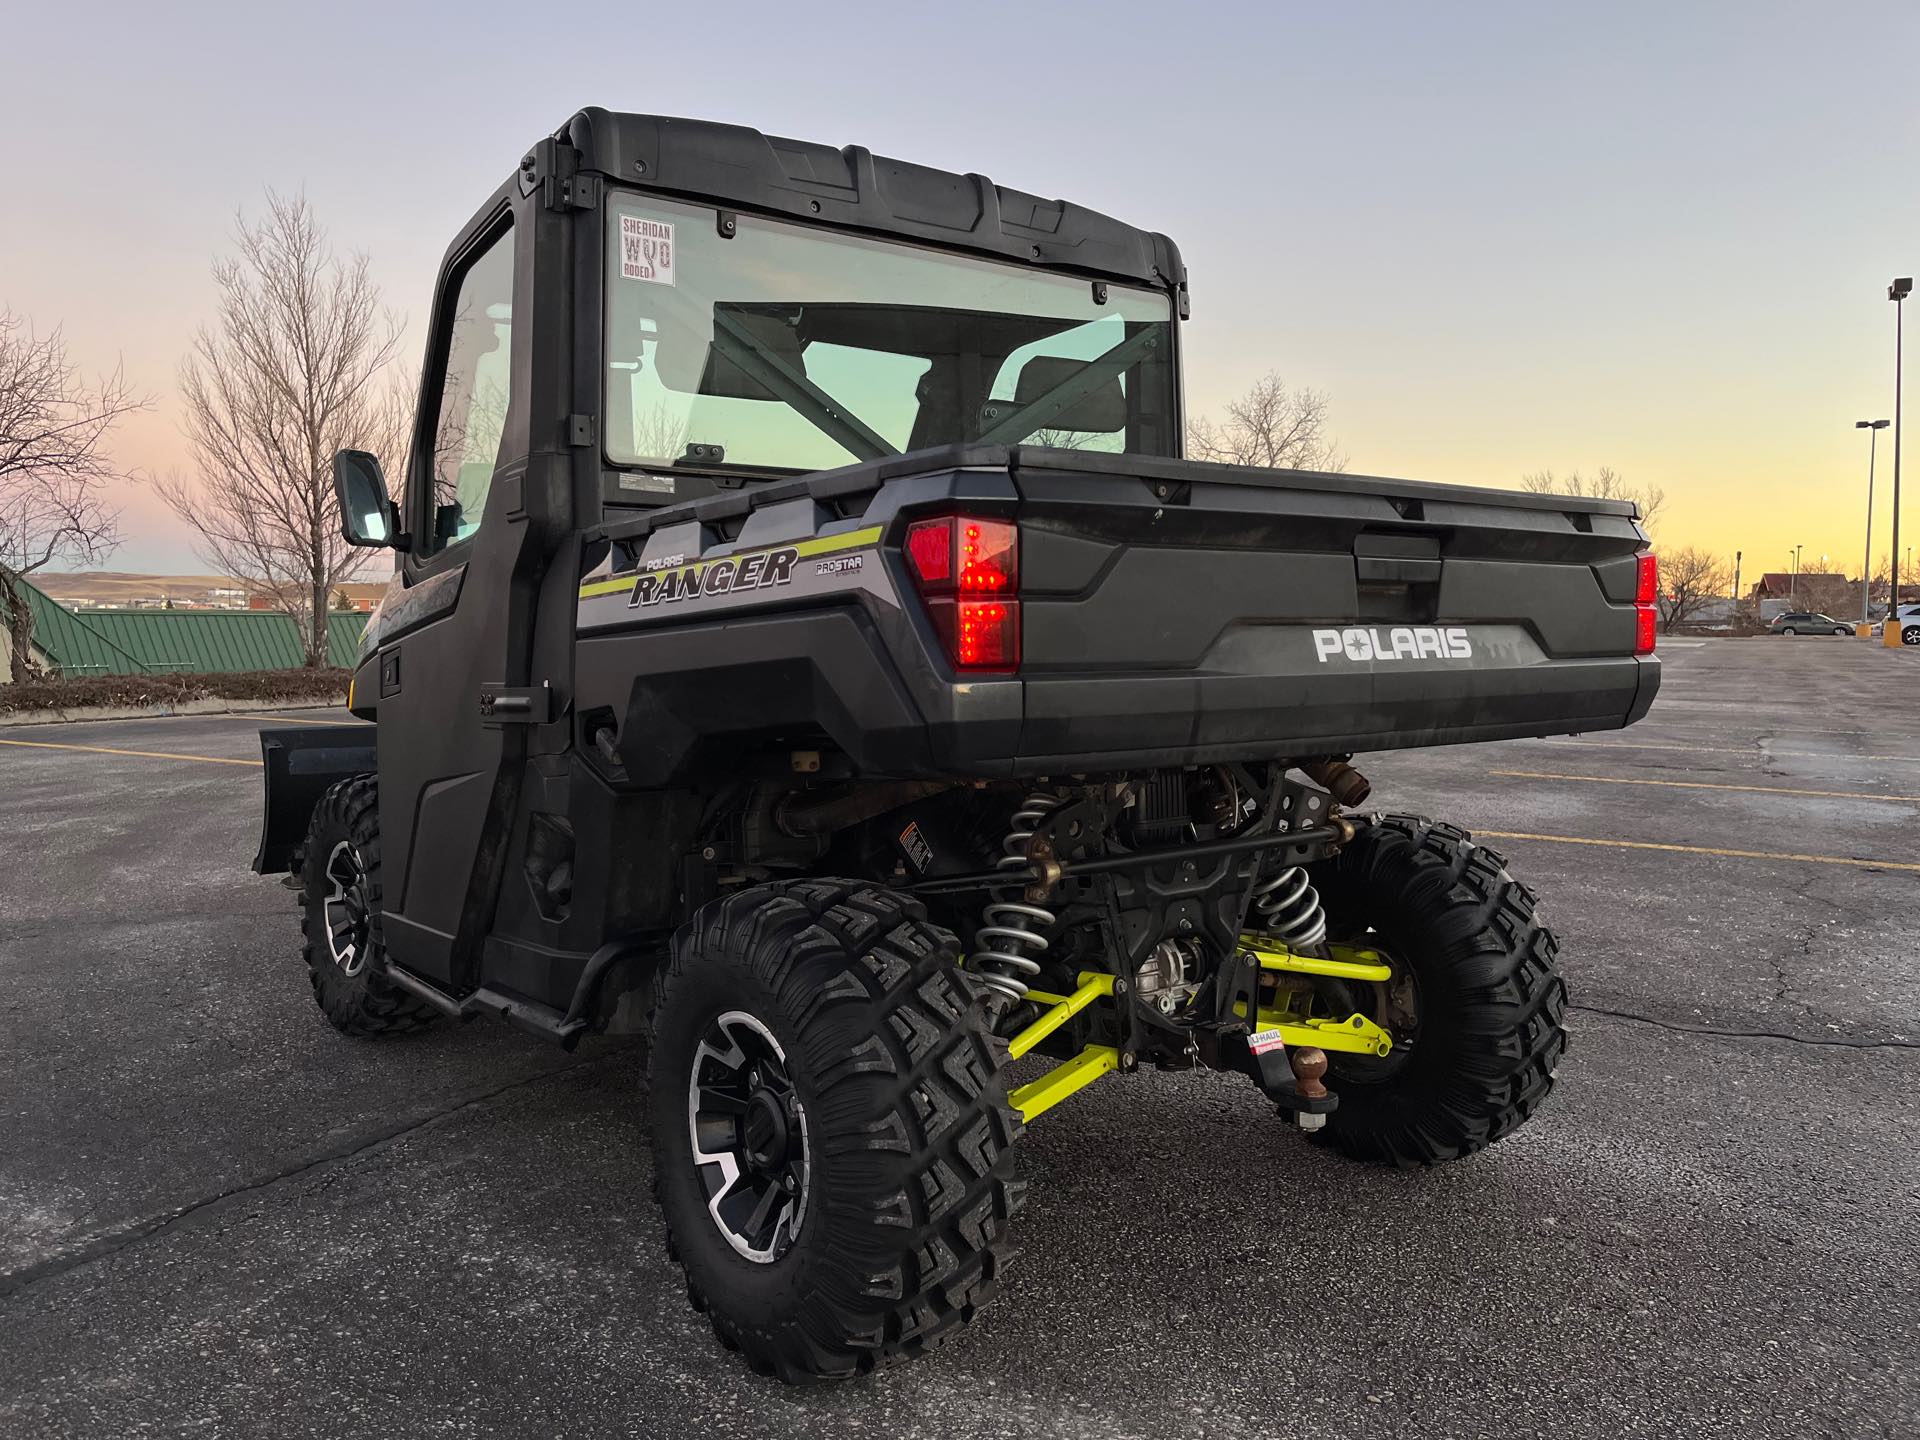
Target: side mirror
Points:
(368, 516)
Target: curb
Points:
(164, 709)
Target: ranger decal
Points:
(727, 576)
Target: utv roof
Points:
(732, 165)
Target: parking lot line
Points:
(1704, 785)
(143, 754)
(293, 719)
(1652, 723)
(1713, 850)
(1746, 750)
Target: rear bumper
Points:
(692, 701)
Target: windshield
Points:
(789, 347)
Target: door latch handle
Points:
(515, 705)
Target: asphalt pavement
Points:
(218, 1217)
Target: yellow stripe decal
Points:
(824, 545)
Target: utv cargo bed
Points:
(1169, 612)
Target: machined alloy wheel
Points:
(830, 1127)
(346, 908)
(1910, 635)
(340, 917)
(748, 1131)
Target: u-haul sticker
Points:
(646, 250)
(1400, 642)
(1262, 1041)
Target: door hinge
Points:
(555, 167)
(511, 705)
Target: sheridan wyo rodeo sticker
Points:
(646, 250)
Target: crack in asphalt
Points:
(135, 1232)
(1841, 1042)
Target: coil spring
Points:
(1288, 908)
(1010, 932)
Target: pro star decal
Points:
(706, 578)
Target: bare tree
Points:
(1269, 426)
(1689, 579)
(1604, 484)
(294, 367)
(55, 474)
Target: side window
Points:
(474, 394)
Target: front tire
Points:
(1910, 635)
(830, 1128)
(1475, 1007)
(340, 912)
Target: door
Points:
(448, 772)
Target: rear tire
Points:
(340, 917)
(1910, 635)
(1789, 630)
(1487, 999)
(831, 1015)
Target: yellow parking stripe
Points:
(1704, 785)
(142, 754)
(1747, 750)
(1700, 850)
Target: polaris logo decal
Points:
(1401, 642)
(707, 578)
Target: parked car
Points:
(1907, 617)
(1802, 622)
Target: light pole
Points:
(1793, 581)
(1896, 292)
(1873, 429)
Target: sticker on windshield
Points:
(646, 250)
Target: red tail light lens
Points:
(1646, 602)
(965, 555)
(983, 634)
(1647, 582)
(967, 569)
(930, 552)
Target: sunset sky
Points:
(1502, 237)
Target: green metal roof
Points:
(199, 642)
(74, 647)
(203, 642)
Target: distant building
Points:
(1784, 585)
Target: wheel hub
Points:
(765, 1138)
(749, 1134)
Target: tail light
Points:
(967, 570)
(1646, 611)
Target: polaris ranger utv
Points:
(808, 636)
